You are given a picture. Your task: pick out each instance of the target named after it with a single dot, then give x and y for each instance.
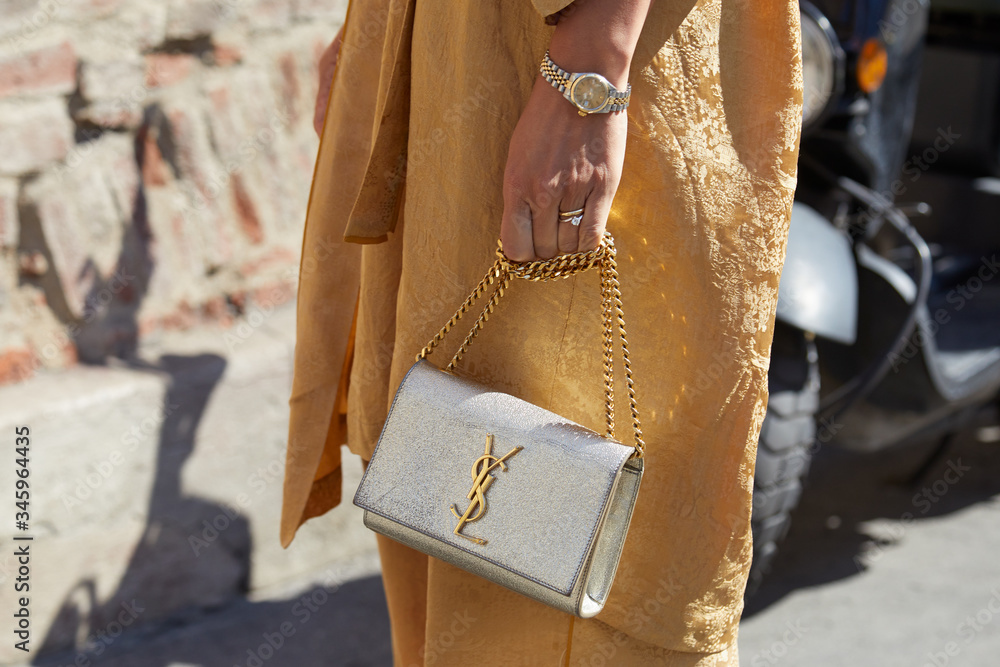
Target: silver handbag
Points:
(560, 496)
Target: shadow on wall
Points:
(191, 549)
(166, 572)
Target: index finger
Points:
(515, 231)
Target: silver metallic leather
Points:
(555, 519)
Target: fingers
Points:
(533, 232)
(327, 65)
(545, 225)
(569, 234)
(320, 114)
(322, 96)
(595, 220)
(515, 231)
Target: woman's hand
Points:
(327, 64)
(559, 160)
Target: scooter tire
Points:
(785, 446)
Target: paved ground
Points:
(857, 584)
(340, 622)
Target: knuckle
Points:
(543, 191)
(520, 224)
(514, 248)
(604, 175)
(567, 243)
(546, 250)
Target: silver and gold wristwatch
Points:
(587, 91)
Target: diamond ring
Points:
(572, 217)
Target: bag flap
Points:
(545, 502)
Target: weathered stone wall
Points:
(155, 161)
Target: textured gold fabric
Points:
(424, 100)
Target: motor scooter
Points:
(888, 316)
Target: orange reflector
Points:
(872, 64)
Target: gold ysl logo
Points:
(481, 481)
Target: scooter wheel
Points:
(784, 449)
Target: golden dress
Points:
(403, 220)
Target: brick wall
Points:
(155, 162)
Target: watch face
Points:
(590, 92)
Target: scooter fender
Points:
(819, 282)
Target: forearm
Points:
(599, 36)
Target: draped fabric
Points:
(403, 220)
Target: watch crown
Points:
(589, 92)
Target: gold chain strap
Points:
(563, 266)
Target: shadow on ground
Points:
(831, 538)
(148, 621)
(345, 626)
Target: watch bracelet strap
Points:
(559, 78)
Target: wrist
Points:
(599, 36)
(575, 52)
